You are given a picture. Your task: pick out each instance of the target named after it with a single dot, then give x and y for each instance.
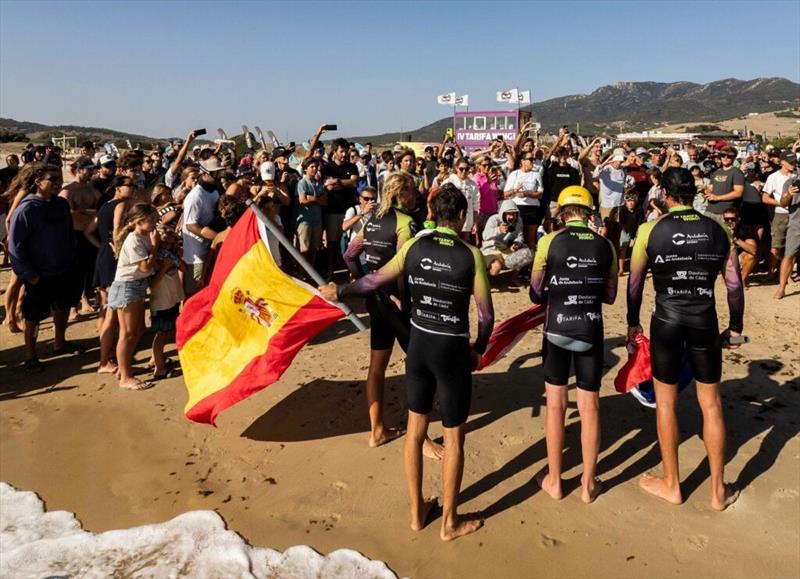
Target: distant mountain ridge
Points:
(614, 108)
(641, 105)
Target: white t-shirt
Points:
(531, 183)
(135, 249)
(774, 187)
(167, 292)
(198, 207)
(471, 192)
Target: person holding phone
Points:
(686, 251)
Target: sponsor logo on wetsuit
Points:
(573, 262)
(704, 291)
(593, 317)
(561, 318)
(708, 256)
(670, 257)
(429, 264)
(689, 238)
(580, 300)
(412, 280)
(678, 292)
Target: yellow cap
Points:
(575, 195)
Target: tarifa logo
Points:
(425, 263)
(678, 239)
(572, 262)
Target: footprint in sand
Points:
(549, 542)
(340, 485)
(784, 493)
(697, 542)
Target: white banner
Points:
(446, 99)
(462, 101)
(508, 96)
(524, 97)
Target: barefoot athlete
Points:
(441, 272)
(379, 240)
(685, 251)
(579, 269)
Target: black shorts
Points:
(439, 363)
(669, 341)
(530, 214)
(386, 324)
(58, 292)
(754, 214)
(556, 362)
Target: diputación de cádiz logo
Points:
(256, 309)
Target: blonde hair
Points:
(160, 190)
(394, 185)
(135, 214)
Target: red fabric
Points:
(507, 334)
(637, 368)
(267, 368)
(197, 309)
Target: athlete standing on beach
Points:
(441, 272)
(686, 251)
(579, 269)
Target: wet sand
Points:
(291, 464)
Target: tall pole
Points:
(301, 260)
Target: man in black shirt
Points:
(558, 175)
(340, 178)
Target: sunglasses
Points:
(461, 169)
(367, 198)
(729, 156)
(527, 158)
(485, 164)
(730, 220)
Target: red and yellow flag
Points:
(240, 333)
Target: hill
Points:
(633, 106)
(37, 132)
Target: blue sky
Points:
(162, 69)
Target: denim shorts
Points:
(124, 293)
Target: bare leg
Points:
(550, 480)
(126, 344)
(107, 331)
(60, 325)
(589, 409)
(454, 526)
(31, 333)
(11, 300)
(376, 380)
(159, 363)
(774, 262)
(412, 456)
(668, 486)
(787, 263)
(722, 495)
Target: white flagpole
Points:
(301, 260)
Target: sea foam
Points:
(36, 543)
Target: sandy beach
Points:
(291, 466)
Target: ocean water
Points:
(36, 543)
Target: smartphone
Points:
(449, 133)
(198, 132)
(736, 340)
(330, 128)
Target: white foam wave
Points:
(36, 543)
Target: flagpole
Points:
(301, 260)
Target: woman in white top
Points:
(460, 178)
(525, 187)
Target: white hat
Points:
(618, 154)
(267, 171)
(107, 159)
(211, 165)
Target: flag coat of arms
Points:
(240, 333)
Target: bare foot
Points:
(779, 294)
(388, 435)
(86, 309)
(13, 326)
(465, 524)
(589, 492)
(73, 315)
(658, 486)
(420, 519)
(432, 449)
(108, 368)
(548, 485)
(731, 493)
(135, 384)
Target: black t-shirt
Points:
(630, 220)
(430, 170)
(722, 183)
(340, 199)
(558, 178)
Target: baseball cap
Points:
(641, 151)
(108, 160)
(618, 154)
(789, 157)
(279, 152)
(267, 171)
(84, 163)
(398, 149)
(365, 154)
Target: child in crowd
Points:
(166, 294)
(168, 211)
(630, 218)
(137, 246)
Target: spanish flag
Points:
(238, 335)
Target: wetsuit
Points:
(685, 251)
(379, 240)
(579, 269)
(441, 273)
